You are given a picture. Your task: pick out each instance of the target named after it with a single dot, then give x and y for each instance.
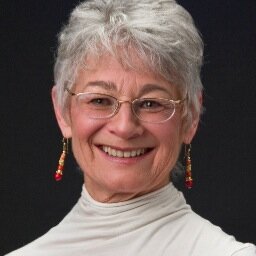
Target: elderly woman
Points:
(128, 93)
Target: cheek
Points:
(169, 151)
(170, 141)
(83, 131)
(82, 127)
(170, 134)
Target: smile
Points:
(124, 154)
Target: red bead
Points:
(58, 176)
(60, 167)
(189, 184)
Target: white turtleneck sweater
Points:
(159, 223)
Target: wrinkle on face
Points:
(106, 180)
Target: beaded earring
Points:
(188, 171)
(59, 173)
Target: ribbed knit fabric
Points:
(159, 223)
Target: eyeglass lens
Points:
(104, 106)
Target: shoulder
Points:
(52, 242)
(247, 250)
(204, 238)
(26, 250)
(31, 249)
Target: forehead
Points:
(109, 64)
(110, 73)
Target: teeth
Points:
(133, 153)
(126, 154)
(119, 153)
(113, 152)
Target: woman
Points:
(128, 93)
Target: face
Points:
(139, 155)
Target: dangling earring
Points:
(59, 173)
(188, 174)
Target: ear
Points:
(63, 121)
(192, 127)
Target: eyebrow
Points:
(147, 88)
(103, 84)
(110, 86)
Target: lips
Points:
(124, 153)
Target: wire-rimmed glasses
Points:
(102, 106)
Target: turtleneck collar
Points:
(165, 197)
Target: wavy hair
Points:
(161, 33)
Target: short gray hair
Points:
(160, 32)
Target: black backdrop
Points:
(224, 162)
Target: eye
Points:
(148, 103)
(101, 101)
(95, 101)
(153, 105)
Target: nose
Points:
(124, 123)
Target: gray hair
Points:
(161, 33)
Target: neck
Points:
(102, 195)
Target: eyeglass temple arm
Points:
(71, 93)
(177, 102)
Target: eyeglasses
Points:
(100, 106)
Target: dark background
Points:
(223, 155)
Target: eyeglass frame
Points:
(119, 102)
